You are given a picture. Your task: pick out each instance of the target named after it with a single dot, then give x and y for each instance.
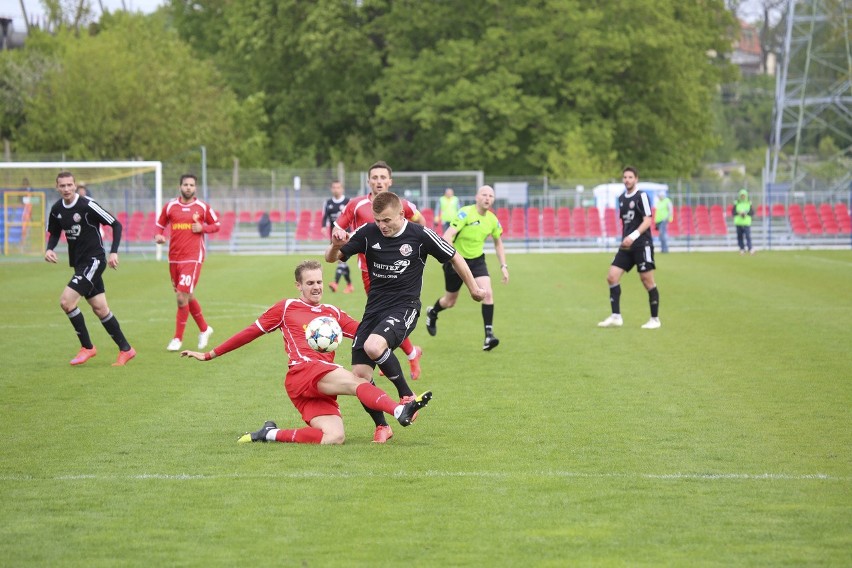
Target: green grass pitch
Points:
(721, 439)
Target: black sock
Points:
(488, 319)
(615, 298)
(110, 324)
(654, 300)
(437, 307)
(79, 324)
(390, 366)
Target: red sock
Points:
(406, 346)
(180, 320)
(375, 398)
(300, 436)
(195, 311)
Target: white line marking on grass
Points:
(436, 474)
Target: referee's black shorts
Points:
(453, 282)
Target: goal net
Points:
(132, 191)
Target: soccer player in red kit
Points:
(313, 379)
(359, 212)
(189, 219)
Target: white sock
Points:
(397, 411)
(270, 436)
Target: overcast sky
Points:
(12, 8)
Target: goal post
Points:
(125, 188)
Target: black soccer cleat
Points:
(410, 409)
(490, 343)
(260, 435)
(431, 321)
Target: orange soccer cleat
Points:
(333, 286)
(349, 289)
(84, 355)
(124, 357)
(415, 363)
(382, 434)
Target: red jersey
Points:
(292, 316)
(359, 212)
(184, 245)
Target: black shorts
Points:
(393, 325)
(88, 277)
(640, 256)
(453, 282)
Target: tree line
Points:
(567, 88)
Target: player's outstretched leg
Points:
(260, 435)
(406, 417)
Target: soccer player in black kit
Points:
(396, 252)
(80, 218)
(637, 249)
(331, 211)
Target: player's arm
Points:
(211, 221)
(159, 236)
(644, 226)
(54, 231)
(463, 270)
(501, 256)
(450, 234)
(236, 341)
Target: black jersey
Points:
(396, 263)
(81, 222)
(332, 210)
(633, 209)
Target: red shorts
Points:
(301, 384)
(185, 275)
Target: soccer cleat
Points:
(84, 355)
(415, 363)
(204, 337)
(382, 434)
(612, 321)
(333, 286)
(174, 345)
(653, 323)
(349, 289)
(124, 357)
(490, 343)
(431, 321)
(260, 435)
(412, 405)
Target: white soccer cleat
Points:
(612, 321)
(204, 337)
(653, 323)
(174, 345)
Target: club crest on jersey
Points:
(77, 218)
(632, 204)
(406, 250)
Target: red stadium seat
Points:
(563, 222)
(578, 222)
(593, 222)
(611, 222)
(548, 222)
(533, 223)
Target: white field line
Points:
(439, 474)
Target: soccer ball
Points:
(323, 334)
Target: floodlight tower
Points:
(813, 91)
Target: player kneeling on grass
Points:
(313, 379)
